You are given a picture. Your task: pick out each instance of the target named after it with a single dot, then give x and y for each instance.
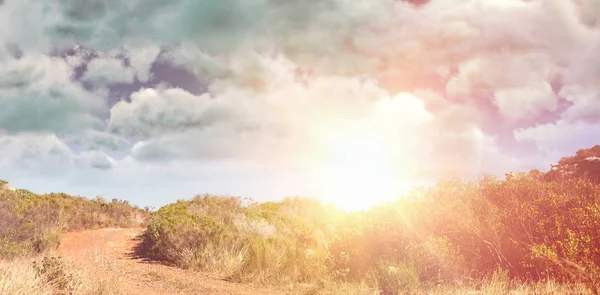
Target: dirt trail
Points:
(112, 250)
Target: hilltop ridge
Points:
(584, 164)
(4, 185)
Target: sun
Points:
(357, 171)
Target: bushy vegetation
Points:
(531, 227)
(462, 231)
(261, 242)
(32, 223)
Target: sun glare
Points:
(357, 172)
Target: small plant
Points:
(396, 278)
(52, 270)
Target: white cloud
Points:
(526, 102)
(37, 94)
(590, 11)
(585, 100)
(107, 71)
(46, 154)
(519, 83)
(284, 77)
(142, 59)
(282, 120)
(43, 153)
(94, 160)
(98, 140)
(153, 112)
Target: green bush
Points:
(267, 243)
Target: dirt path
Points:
(112, 251)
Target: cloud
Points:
(142, 59)
(283, 119)
(37, 94)
(98, 140)
(438, 85)
(589, 11)
(257, 110)
(153, 112)
(584, 102)
(43, 153)
(526, 102)
(191, 145)
(519, 83)
(581, 82)
(438, 145)
(339, 36)
(48, 155)
(108, 71)
(94, 160)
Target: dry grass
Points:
(507, 288)
(18, 277)
(499, 283)
(488, 287)
(95, 279)
(335, 288)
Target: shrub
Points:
(32, 223)
(52, 270)
(394, 279)
(256, 243)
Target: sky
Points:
(349, 101)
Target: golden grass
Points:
(499, 283)
(488, 287)
(506, 288)
(18, 277)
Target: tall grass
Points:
(20, 277)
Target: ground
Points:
(112, 252)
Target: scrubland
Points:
(527, 234)
(32, 223)
(30, 231)
(530, 233)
